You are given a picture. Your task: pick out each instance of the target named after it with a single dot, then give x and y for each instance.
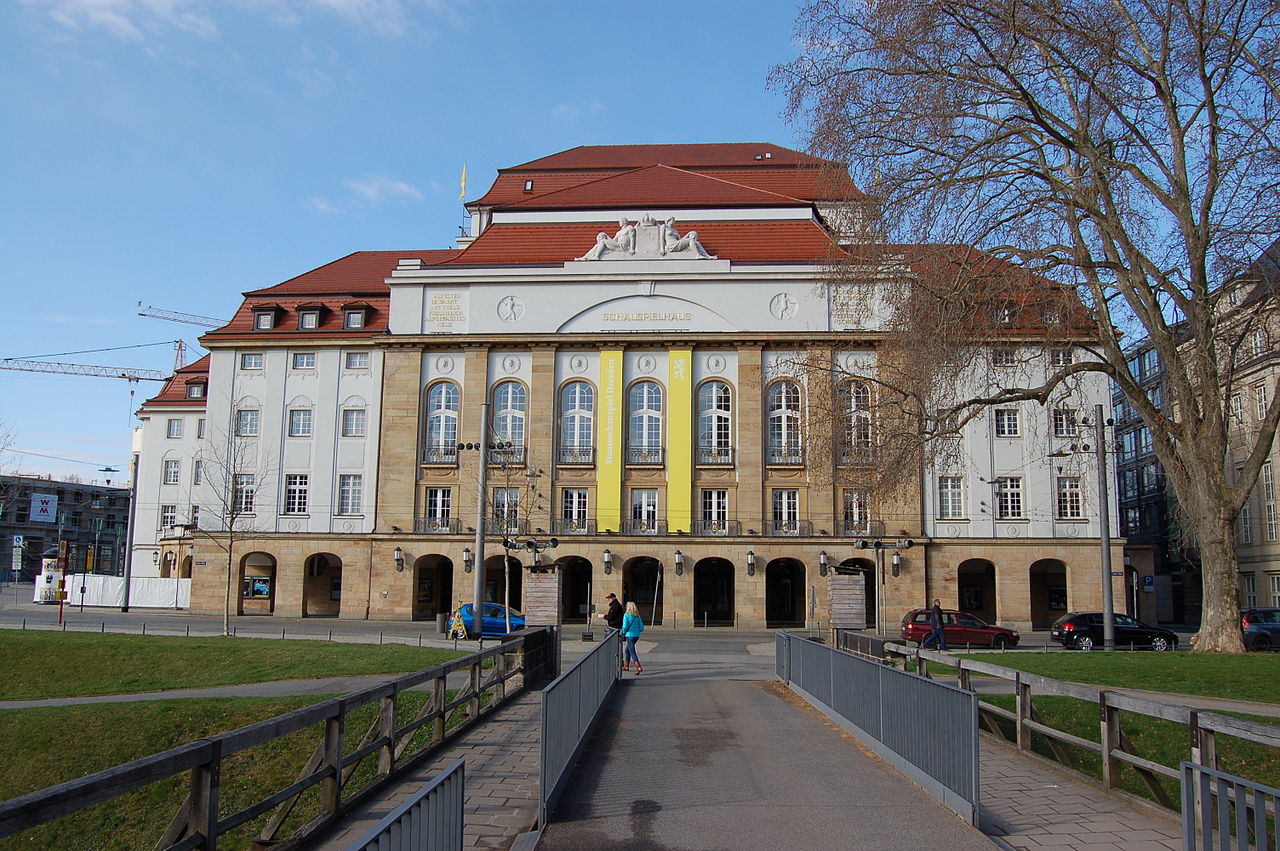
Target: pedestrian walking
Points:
(936, 632)
(613, 613)
(632, 626)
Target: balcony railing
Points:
(852, 528)
(856, 456)
(440, 455)
(785, 456)
(644, 456)
(789, 528)
(577, 456)
(721, 528)
(644, 527)
(715, 456)
(573, 526)
(506, 455)
(436, 525)
(507, 526)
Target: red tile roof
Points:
(715, 154)
(655, 185)
(174, 392)
(356, 274)
(545, 244)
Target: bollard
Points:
(64, 626)
(419, 639)
(24, 623)
(379, 636)
(233, 631)
(282, 633)
(188, 630)
(104, 628)
(144, 627)
(330, 636)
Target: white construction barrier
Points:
(145, 592)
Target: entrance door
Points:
(642, 581)
(783, 593)
(713, 592)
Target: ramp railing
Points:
(431, 820)
(1223, 811)
(927, 730)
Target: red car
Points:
(961, 628)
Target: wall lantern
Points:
(822, 563)
(155, 556)
(679, 563)
(466, 559)
(399, 557)
(608, 561)
(897, 562)
(751, 563)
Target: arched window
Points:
(785, 446)
(508, 417)
(715, 423)
(855, 397)
(577, 423)
(644, 445)
(441, 446)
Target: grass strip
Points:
(57, 664)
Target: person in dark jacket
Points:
(613, 614)
(936, 632)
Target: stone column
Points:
(398, 444)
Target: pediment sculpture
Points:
(647, 240)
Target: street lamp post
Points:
(1104, 533)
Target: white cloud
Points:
(365, 192)
(136, 20)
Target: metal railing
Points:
(393, 746)
(644, 456)
(440, 455)
(788, 528)
(431, 819)
(436, 525)
(574, 526)
(570, 706)
(579, 456)
(720, 528)
(715, 456)
(782, 456)
(1114, 745)
(506, 456)
(1220, 810)
(644, 527)
(927, 730)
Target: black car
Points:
(1083, 631)
(1261, 628)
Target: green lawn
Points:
(42, 747)
(1251, 676)
(59, 664)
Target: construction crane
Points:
(124, 372)
(175, 316)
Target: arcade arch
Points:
(713, 589)
(322, 586)
(642, 580)
(784, 593)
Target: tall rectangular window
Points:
(172, 473)
(354, 422)
(1237, 408)
(1270, 510)
(855, 512)
(1009, 497)
(950, 497)
(438, 508)
(1244, 521)
(295, 493)
(715, 507)
(300, 422)
(350, 494)
(246, 423)
(1260, 400)
(200, 428)
(1275, 589)
(1007, 423)
(1070, 504)
(1268, 483)
(506, 509)
(168, 515)
(1064, 422)
(245, 490)
(644, 509)
(173, 428)
(1250, 590)
(197, 472)
(194, 516)
(786, 511)
(573, 506)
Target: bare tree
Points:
(1125, 148)
(233, 473)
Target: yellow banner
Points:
(680, 441)
(609, 443)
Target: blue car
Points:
(493, 620)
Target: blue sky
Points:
(181, 152)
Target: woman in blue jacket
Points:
(632, 626)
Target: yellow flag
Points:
(462, 195)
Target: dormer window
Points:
(353, 317)
(264, 320)
(308, 320)
(195, 391)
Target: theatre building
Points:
(646, 328)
